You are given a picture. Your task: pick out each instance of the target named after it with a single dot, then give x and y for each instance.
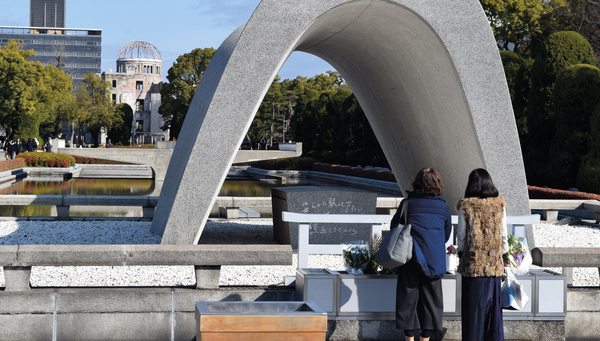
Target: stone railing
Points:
(550, 207)
(207, 260)
(567, 258)
(516, 224)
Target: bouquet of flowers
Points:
(356, 256)
(518, 254)
(451, 250)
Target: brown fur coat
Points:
(482, 254)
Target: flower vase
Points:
(451, 263)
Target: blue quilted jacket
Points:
(431, 224)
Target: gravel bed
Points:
(255, 231)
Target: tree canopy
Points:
(31, 95)
(182, 80)
(95, 110)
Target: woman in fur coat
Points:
(483, 251)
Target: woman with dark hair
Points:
(419, 301)
(483, 251)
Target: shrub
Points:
(293, 163)
(12, 164)
(511, 63)
(576, 96)
(559, 51)
(43, 159)
(92, 161)
(588, 177)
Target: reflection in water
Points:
(248, 188)
(116, 187)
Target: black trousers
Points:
(482, 309)
(419, 300)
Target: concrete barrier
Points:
(207, 260)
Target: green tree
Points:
(517, 22)
(97, 111)
(583, 17)
(576, 97)
(588, 177)
(559, 51)
(122, 133)
(54, 99)
(19, 79)
(182, 80)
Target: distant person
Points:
(483, 250)
(419, 301)
(109, 144)
(18, 147)
(12, 149)
(49, 146)
(36, 143)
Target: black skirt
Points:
(419, 299)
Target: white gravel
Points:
(255, 231)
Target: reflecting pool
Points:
(113, 187)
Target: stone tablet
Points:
(322, 200)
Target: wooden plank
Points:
(263, 323)
(278, 336)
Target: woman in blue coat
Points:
(419, 301)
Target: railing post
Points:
(207, 277)
(17, 278)
(568, 272)
(62, 211)
(148, 212)
(303, 240)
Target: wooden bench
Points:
(567, 258)
(207, 260)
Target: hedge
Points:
(549, 193)
(43, 159)
(12, 164)
(82, 160)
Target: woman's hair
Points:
(480, 185)
(428, 182)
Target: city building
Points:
(137, 83)
(47, 13)
(76, 51)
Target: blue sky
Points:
(174, 27)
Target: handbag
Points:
(397, 246)
(513, 294)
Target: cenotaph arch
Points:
(427, 74)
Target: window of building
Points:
(139, 125)
(139, 85)
(114, 98)
(140, 105)
(114, 84)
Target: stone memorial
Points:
(427, 74)
(322, 200)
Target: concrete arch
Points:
(427, 74)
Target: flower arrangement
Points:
(451, 250)
(356, 256)
(517, 252)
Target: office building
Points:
(76, 51)
(47, 13)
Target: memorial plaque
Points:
(322, 200)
